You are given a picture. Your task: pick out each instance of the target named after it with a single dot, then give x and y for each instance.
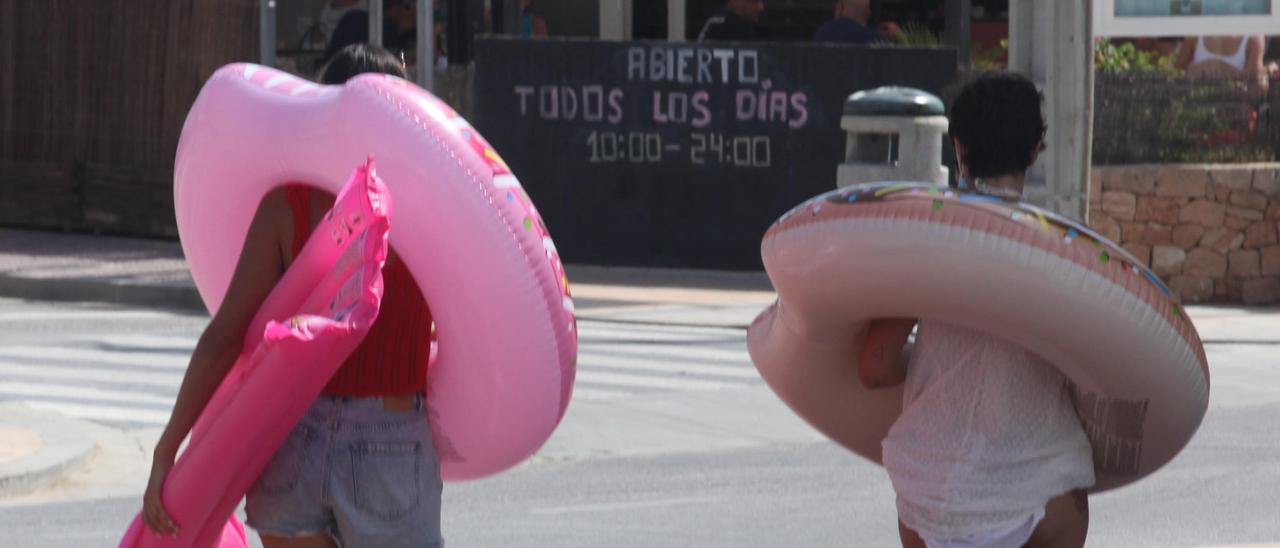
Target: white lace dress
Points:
(988, 434)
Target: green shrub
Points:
(1111, 58)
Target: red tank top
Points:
(393, 357)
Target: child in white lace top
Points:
(988, 450)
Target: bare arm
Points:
(1253, 66)
(1185, 52)
(260, 266)
(882, 362)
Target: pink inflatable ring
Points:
(1014, 270)
(461, 222)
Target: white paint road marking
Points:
(101, 412)
(623, 506)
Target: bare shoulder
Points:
(261, 263)
(321, 202)
(275, 204)
(274, 218)
(1257, 45)
(272, 225)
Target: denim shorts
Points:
(352, 469)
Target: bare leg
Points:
(312, 541)
(1065, 524)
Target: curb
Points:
(68, 445)
(151, 296)
(747, 280)
(186, 297)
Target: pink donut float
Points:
(462, 224)
(1011, 269)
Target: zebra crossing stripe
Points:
(151, 343)
(613, 379)
(628, 363)
(598, 394)
(101, 412)
(89, 374)
(656, 332)
(104, 316)
(132, 377)
(164, 360)
(25, 389)
(685, 353)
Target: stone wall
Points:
(1210, 231)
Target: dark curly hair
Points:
(996, 117)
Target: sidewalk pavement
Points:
(35, 448)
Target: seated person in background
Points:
(850, 25)
(333, 12)
(735, 22)
(399, 29)
(532, 25)
(1237, 56)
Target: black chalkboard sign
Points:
(677, 154)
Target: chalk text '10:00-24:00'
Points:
(638, 147)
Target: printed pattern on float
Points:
(1023, 212)
(1106, 255)
(502, 180)
(510, 188)
(1138, 408)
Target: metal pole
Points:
(608, 25)
(676, 20)
(497, 17)
(511, 14)
(627, 11)
(956, 29)
(375, 22)
(458, 33)
(1051, 43)
(426, 65)
(615, 19)
(267, 32)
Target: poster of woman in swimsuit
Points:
(1177, 8)
(1137, 18)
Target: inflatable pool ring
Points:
(462, 225)
(285, 367)
(232, 535)
(1011, 269)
